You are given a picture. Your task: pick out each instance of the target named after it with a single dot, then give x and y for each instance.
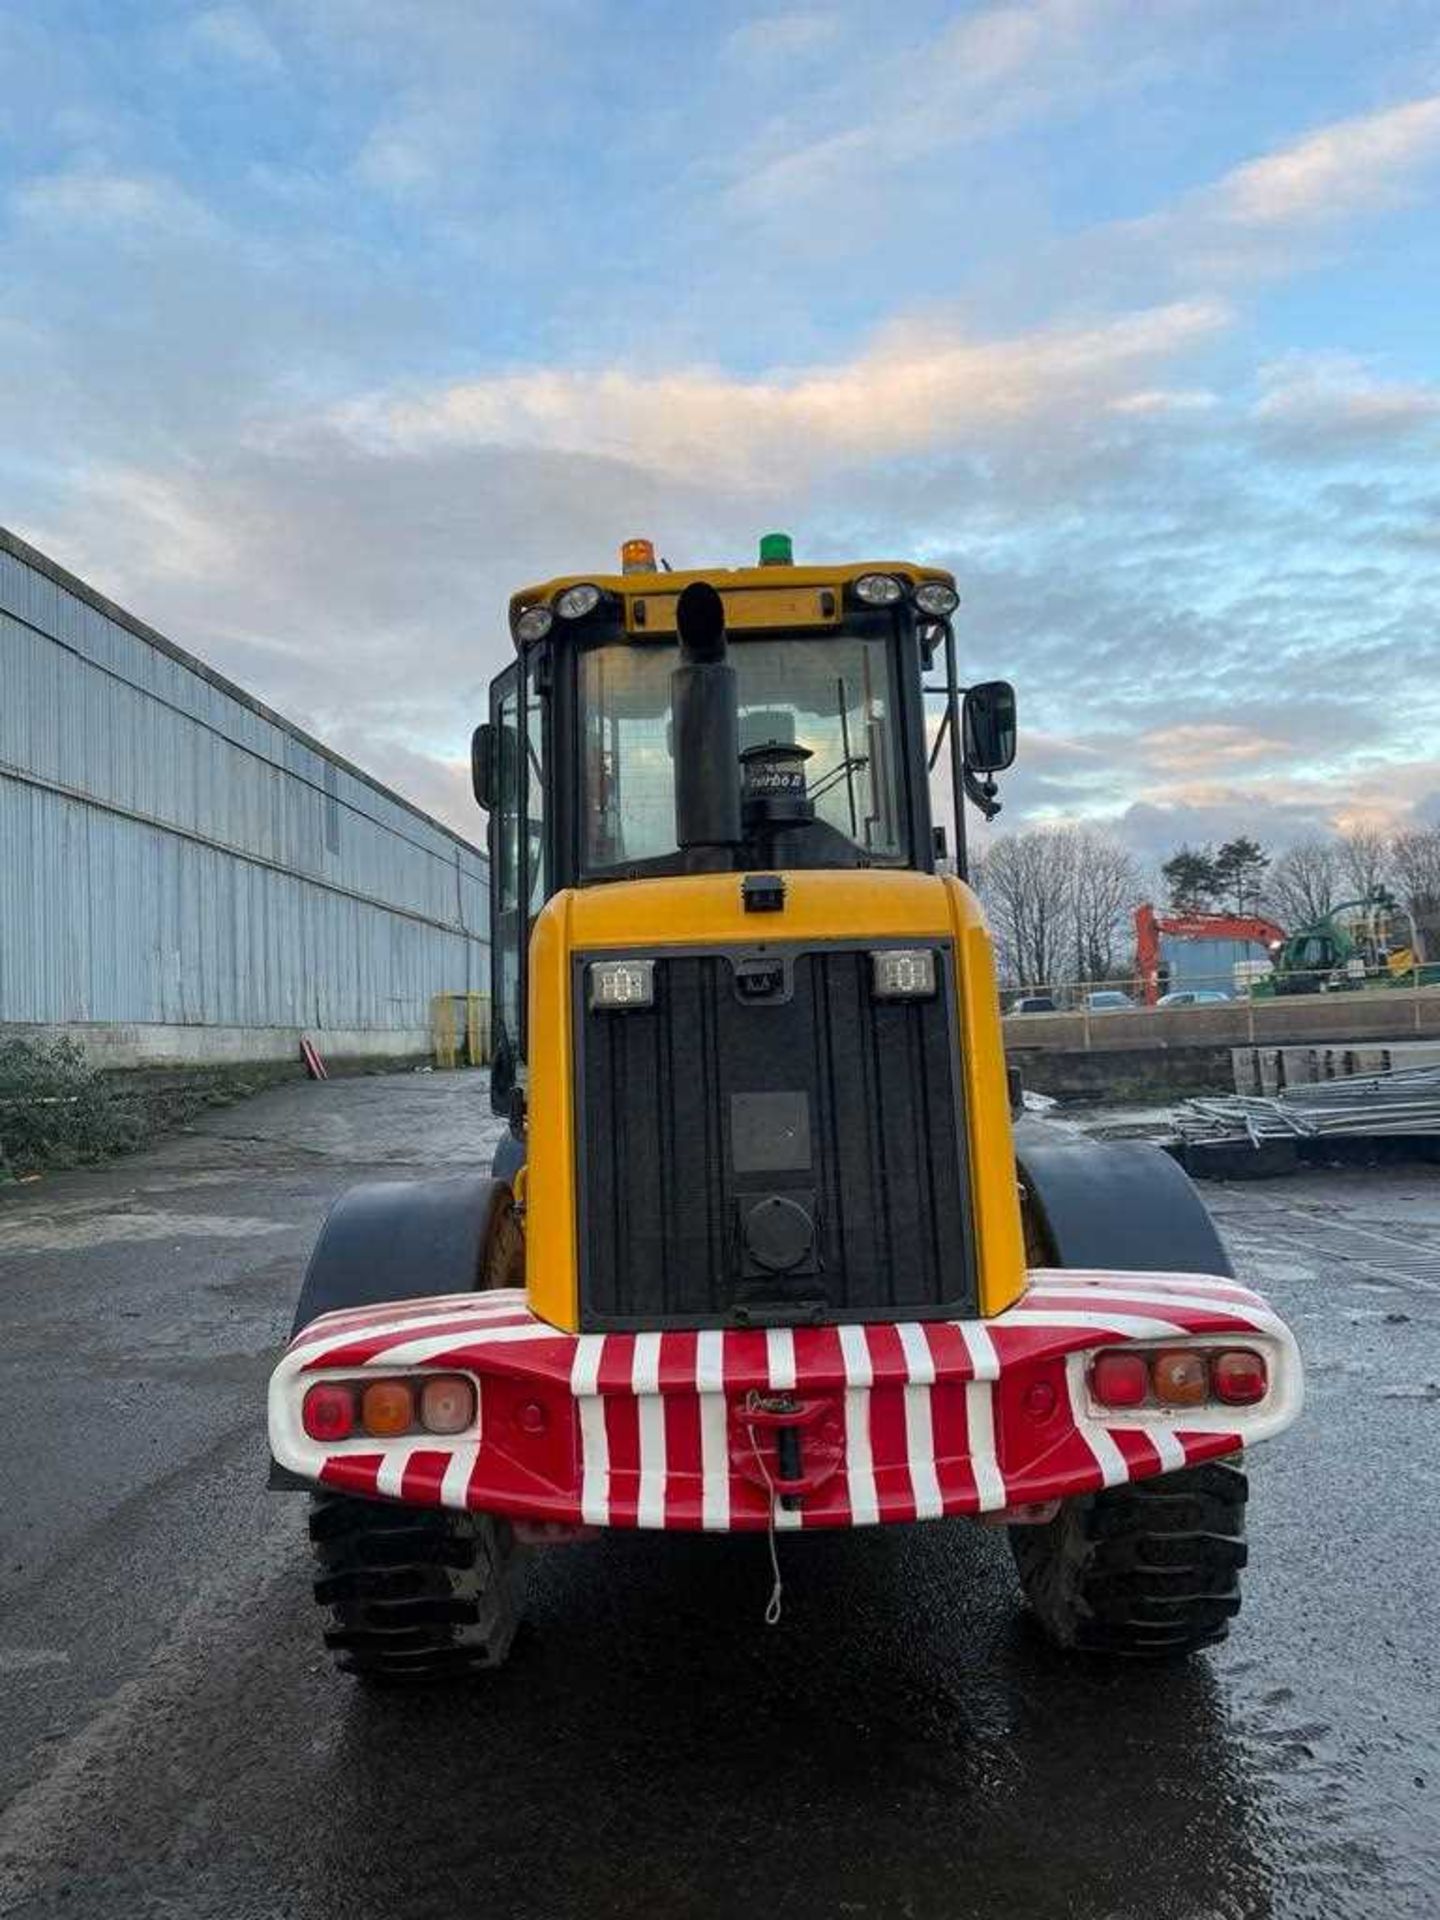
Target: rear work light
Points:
(385, 1409)
(1169, 1377)
(621, 983)
(903, 973)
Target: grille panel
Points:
(858, 1123)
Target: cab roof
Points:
(776, 579)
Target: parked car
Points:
(1195, 997)
(1034, 1003)
(1108, 1000)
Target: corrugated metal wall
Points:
(171, 852)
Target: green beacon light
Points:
(776, 550)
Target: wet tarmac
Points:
(901, 1744)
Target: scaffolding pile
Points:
(1404, 1103)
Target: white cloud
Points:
(916, 390)
(1347, 167)
(394, 162)
(1266, 216)
(1322, 403)
(776, 38)
(985, 71)
(1165, 400)
(86, 197)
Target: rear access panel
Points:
(768, 1143)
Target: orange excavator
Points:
(1244, 928)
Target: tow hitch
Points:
(787, 1444)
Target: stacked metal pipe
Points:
(1405, 1102)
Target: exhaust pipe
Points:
(705, 724)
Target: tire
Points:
(1145, 1571)
(504, 1261)
(412, 1593)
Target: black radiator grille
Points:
(858, 1130)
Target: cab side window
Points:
(519, 858)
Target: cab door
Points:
(504, 837)
(519, 858)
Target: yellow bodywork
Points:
(706, 910)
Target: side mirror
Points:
(989, 726)
(482, 765)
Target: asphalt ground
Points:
(175, 1743)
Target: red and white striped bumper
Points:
(678, 1430)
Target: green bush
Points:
(55, 1110)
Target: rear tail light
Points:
(384, 1409)
(387, 1408)
(1120, 1379)
(1178, 1377)
(1240, 1377)
(329, 1411)
(1181, 1379)
(447, 1404)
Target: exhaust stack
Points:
(704, 707)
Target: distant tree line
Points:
(1311, 877)
(1061, 900)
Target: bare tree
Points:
(1105, 885)
(1304, 882)
(1415, 864)
(1025, 882)
(1365, 861)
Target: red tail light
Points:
(1121, 1379)
(1239, 1377)
(329, 1411)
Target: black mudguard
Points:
(399, 1240)
(1121, 1204)
(396, 1240)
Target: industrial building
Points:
(188, 879)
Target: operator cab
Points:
(799, 741)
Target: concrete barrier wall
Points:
(185, 877)
(1378, 1013)
(1162, 1053)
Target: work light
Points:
(575, 602)
(533, 623)
(620, 984)
(879, 589)
(934, 596)
(903, 973)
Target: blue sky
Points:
(325, 323)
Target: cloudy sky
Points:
(326, 323)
